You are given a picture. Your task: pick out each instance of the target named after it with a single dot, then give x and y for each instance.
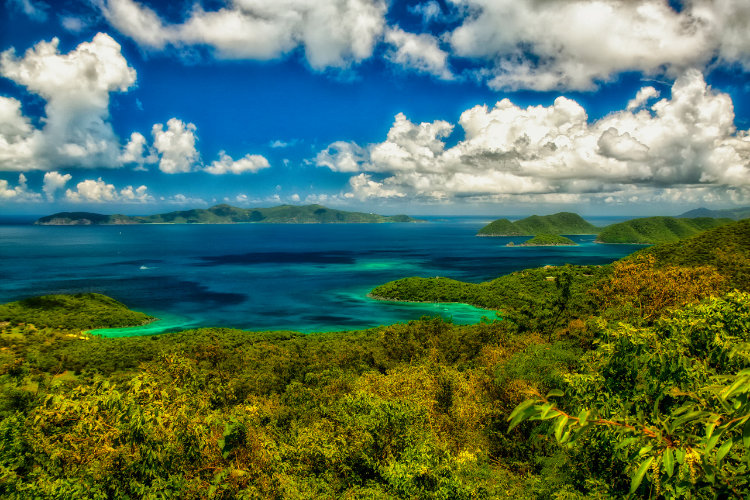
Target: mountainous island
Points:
(546, 240)
(226, 214)
(559, 223)
(652, 230)
(646, 230)
(731, 213)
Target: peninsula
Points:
(226, 214)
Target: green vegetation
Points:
(82, 311)
(727, 248)
(731, 213)
(226, 214)
(548, 240)
(500, 227)
(517, 295)
(651, 230)
(559, 223)
(640, 370)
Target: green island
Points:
(559, 223)
(731, 213)
(545, 240)
(652, 230)
(645, 231)
(226, 214)
(625, 380)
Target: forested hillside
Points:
(652, 230)
(555, 224)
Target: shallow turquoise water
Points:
(306, 277)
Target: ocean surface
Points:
(303, 277)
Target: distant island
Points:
(226, 214)
(559, 223)
(652, 230)
(731, 213)
(546, 240)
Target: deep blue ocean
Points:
(304, 277)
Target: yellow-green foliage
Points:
(674, 397)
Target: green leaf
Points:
(645, 450)
(560, 427)
(635, 482)
(723, 450)
(625, 442)
(555, 393)
(712, 442)
(583, 417)
(521, 416)
(521, 408)
(746, 434)
(668, 461)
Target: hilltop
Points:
(546, 240)
(652, 230)
(559, 223)
(226, 214)
(731, 213)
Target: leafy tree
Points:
(674, 396)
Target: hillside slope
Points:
(727, 248)
(652, 230)
(559, 223)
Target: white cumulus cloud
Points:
(341, 156)
(333, 33)
(419, 52)
(684, 142)
(76, 87)
(136, 151)
(19, 193)
(226, 165)
(53, 182)
(575, 44)
(175, 146)
(642, 97)
(98, 191)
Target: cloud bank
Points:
(535, 45)
(98, 191)
(684, 144)
(332, 33)
(76, 131)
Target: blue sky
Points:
(445, 107)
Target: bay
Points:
(303, 277)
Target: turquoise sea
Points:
(304, 277)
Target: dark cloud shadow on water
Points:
(152, 292)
